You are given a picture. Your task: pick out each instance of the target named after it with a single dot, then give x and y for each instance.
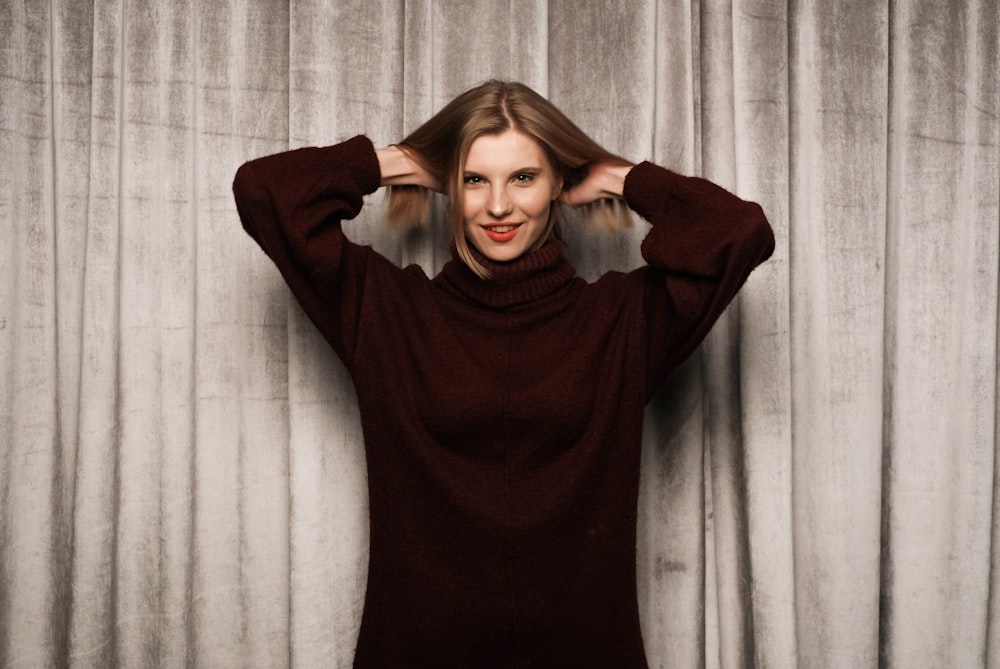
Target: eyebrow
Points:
(533, 169)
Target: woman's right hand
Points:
(399, 169)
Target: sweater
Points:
(502, 418)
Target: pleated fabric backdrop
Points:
(181, 470)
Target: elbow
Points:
(759, 229)
(246, 187)
(251, 197)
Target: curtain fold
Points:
(941, 343)
(182, 476)
(839, 74)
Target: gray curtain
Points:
(181, 470)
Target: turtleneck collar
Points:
(531, 277)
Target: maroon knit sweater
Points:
(502, 418)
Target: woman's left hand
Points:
(603, 181)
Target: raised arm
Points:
(292, 204)
(703, 244)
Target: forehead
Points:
(510, 149)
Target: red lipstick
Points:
(501, 232)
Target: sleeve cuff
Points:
(358, 155)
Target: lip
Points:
(492, 232)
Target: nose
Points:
(499, 204)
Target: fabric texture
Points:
(502, 418)
(182, 474)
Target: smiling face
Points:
(508, 186)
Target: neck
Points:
(530, 277)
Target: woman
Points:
(501, 400)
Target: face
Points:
(508, 188)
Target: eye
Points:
(524, 177)
(472, 179)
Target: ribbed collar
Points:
(531, 277)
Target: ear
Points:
(557, 187)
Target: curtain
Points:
(182, 475)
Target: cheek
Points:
(535, 203)
(470, 207)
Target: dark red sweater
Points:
(502, 418)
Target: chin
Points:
(503, 255)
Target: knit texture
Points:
(502, 417)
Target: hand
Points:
(603, 181)
(398, 168)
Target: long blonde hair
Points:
(442, 144)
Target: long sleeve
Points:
(703, 245)
(292, 204)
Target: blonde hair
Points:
(442, 144)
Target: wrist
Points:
(614, 180)
(394, 166)
(398, 168)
